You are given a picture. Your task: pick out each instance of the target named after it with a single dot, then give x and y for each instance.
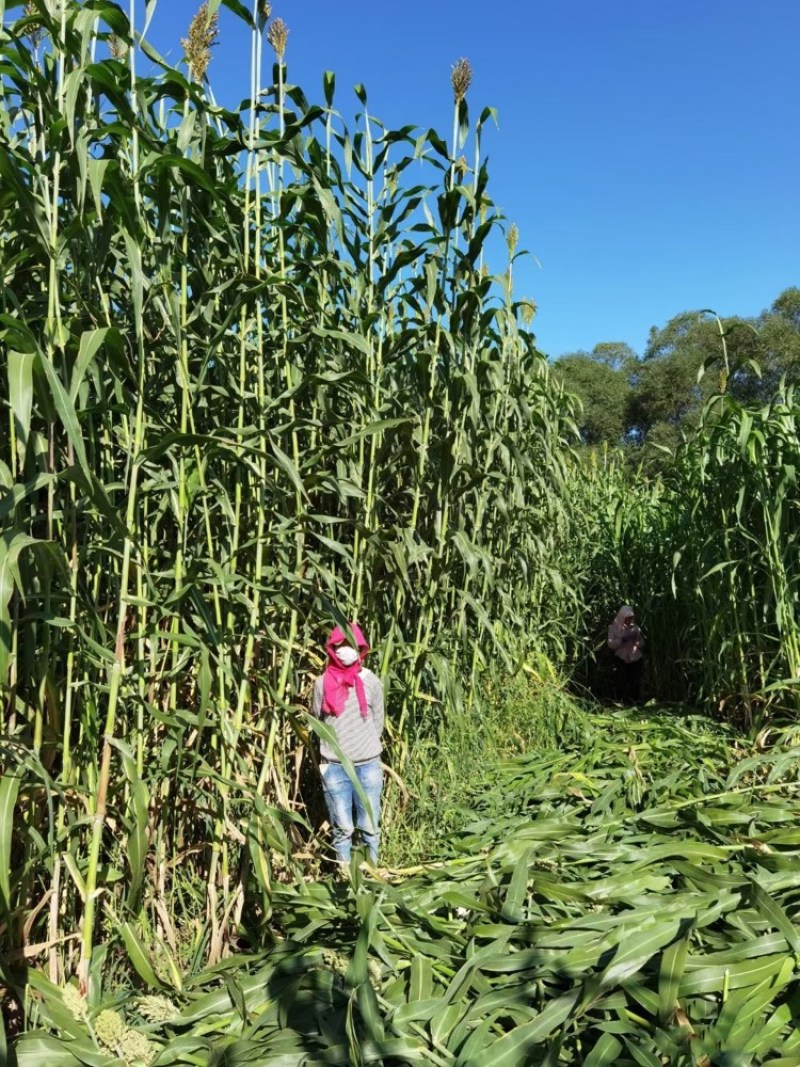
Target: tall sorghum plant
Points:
(253, 381)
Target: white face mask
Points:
(346, 655)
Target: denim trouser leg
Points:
(370, 777)
(338, 792)
(340, 796)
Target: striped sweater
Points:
(358, 738)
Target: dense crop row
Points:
(256, 380)
(709, 554)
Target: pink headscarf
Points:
(338, 679)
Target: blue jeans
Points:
(341, 797)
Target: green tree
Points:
(779, 337)
(665, 392)
(695, 355)
(600, 380)
(787, 307)
(651, 404)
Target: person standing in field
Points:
(349, 698)
(626, 642)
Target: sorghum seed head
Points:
(35, 32)
(109, 1026)
(375, 974)
(74, 1003)
(277, 36)
(528, 311)
(203, 33)
(157, 1009)
(264, 13)
(335, 960)
(512, 238)
(116, 47)
(461, 79)
(136, 1049)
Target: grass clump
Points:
(445, 772)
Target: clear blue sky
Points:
(648, 150)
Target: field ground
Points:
(627, 898)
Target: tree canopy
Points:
(656, 399)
